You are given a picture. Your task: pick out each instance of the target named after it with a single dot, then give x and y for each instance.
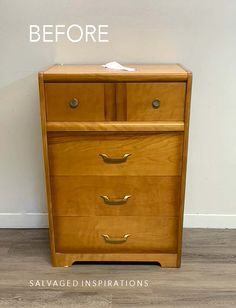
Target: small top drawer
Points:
(74, 101)
(163, 101)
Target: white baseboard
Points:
(219, 221)
(40, 220)
(23, 220)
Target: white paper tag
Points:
(118, 67)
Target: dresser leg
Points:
(62, 260)
(169, 262)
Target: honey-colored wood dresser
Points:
(115, 149)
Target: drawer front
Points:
(107, 154)
(74, 101)
(155, 101)
(115, 196)
(115, 234)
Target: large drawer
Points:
(107, 154)
(162, 101)
(74, 101)
(115, 234)
(115, 195)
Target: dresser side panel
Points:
(46, 162)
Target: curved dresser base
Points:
(165, 260)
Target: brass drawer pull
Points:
(73, 103)
(156, 103)
(115, 240)
(110, 160)
(119, 201)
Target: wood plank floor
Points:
(207, 277)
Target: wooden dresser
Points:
(115, 148)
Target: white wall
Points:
(197, 33)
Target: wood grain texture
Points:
(165, 260)
(110, 101)
(114, 118)
(81, 196)
(184, 165)
(141, 95)
(155, 154)
(206, 278)
(121, 106)
(146, 72)
(146, 234)
(46, 162)
(90, 98)
(116, 126)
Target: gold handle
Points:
(119, 201)
(115, 240)
(110, 160)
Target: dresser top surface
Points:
(145, 72)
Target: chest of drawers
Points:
(115, 150)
